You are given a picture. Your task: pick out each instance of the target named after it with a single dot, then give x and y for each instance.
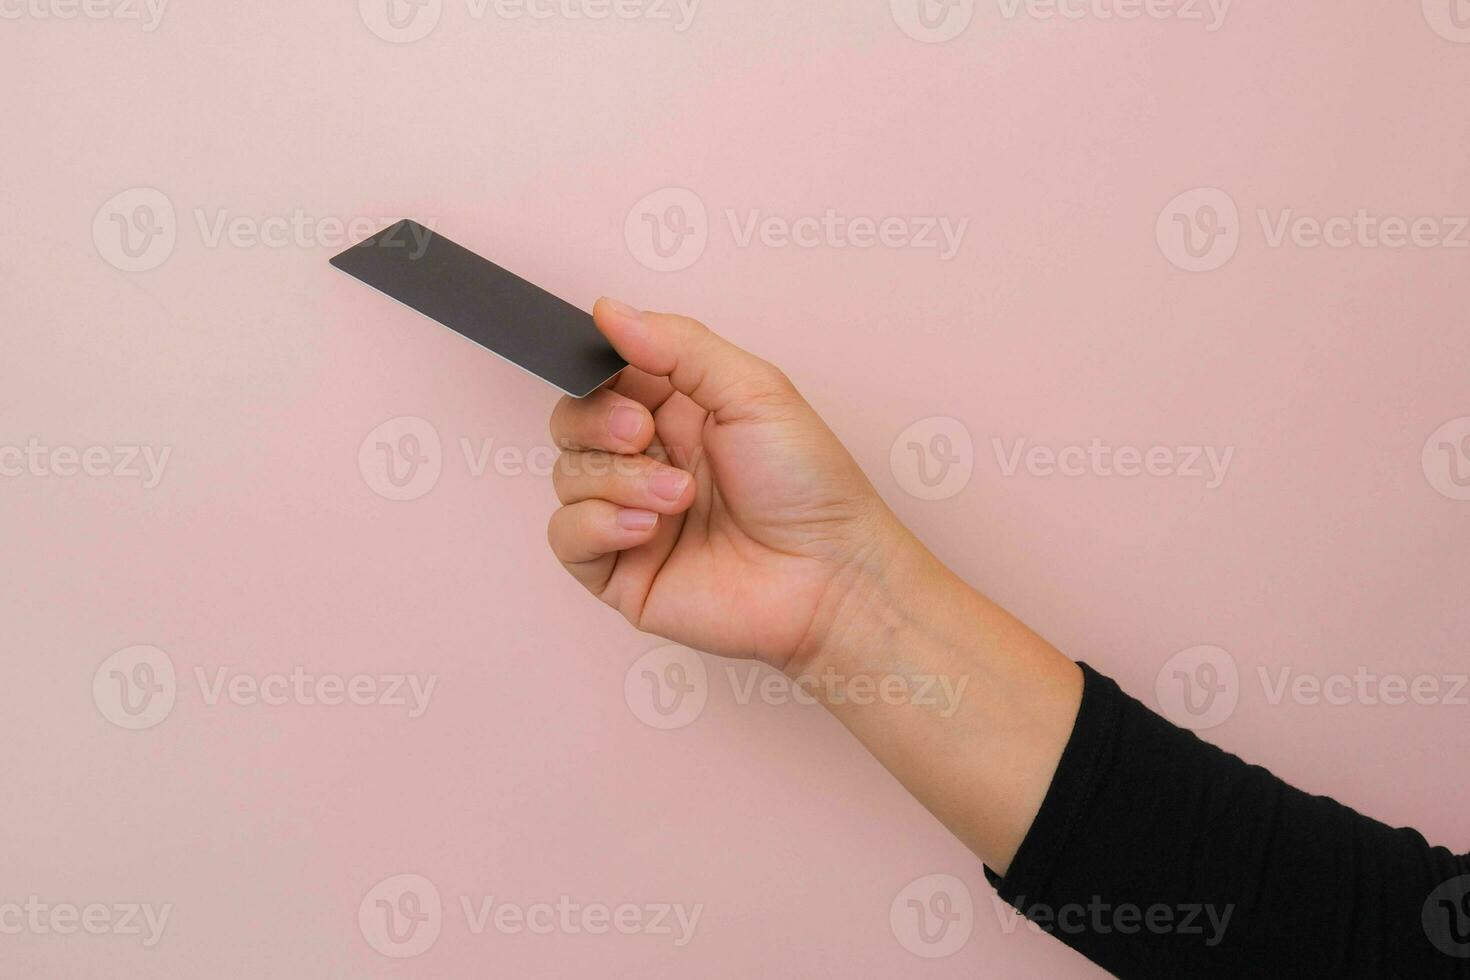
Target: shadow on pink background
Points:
(141, 313)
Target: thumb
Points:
(715, 374)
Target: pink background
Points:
(1060, 320)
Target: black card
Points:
(476, 298)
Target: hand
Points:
(707, 502)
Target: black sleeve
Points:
(1156, 854)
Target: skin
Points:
(707, 502)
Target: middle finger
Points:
(628, 481)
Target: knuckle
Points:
(766, 384)
(682, 322)
(773, 376)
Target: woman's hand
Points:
(707, 502)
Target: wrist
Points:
(878, 609)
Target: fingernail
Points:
(625, 422)
(622, 309)
(636, 520)
(668, 483)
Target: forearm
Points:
(1153, 853)
(986, 706)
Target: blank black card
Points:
(476, 298)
